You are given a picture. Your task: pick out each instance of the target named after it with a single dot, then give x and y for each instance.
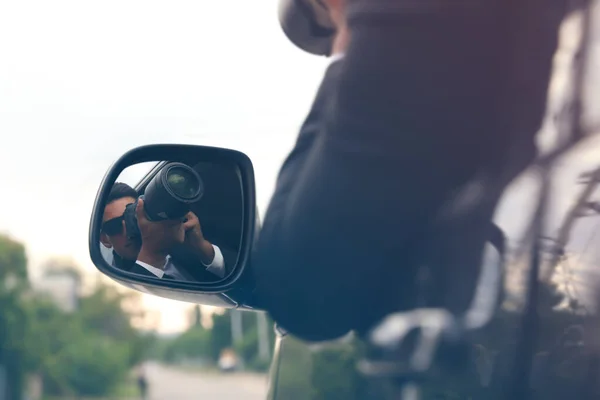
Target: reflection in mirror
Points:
(176, 220)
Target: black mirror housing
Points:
(233, 288)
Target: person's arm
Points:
(410, 115)
(204, 250)
(209, 255)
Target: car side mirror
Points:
(177, 221)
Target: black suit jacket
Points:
(131, 266)
(138, 269)
(185, 263)
(399, 164)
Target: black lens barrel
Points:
(170, 193)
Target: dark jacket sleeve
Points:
(230, 257)
(407, 117)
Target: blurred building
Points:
(63, 288)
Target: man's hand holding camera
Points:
(160, 238)
(146, 241)
(196, 241)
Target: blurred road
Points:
(167, 383)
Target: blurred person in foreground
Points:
(150, 254)
(425, 114)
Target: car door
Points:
(332, 370)
(564, 356)
(549, 351)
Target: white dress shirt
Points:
(217, 266)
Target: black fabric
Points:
(185, 262)
(138, 269)
(191, 269)
(398, 166)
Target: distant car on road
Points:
(228, 361)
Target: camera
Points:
(168, 196)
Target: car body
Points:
(565, 346)
(548, 351)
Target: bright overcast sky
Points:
(82, 82)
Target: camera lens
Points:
(171, 192)
(183, 183)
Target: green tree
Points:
(194, 343)
(196, 317)
(102, 311)
(94, 364)
(86, 352)
(248, 348)
(220, 334)
(46, 338)
(13, 316)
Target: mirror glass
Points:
(174, 219)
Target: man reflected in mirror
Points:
(113, 235)
(160, 238)
(150, 254)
